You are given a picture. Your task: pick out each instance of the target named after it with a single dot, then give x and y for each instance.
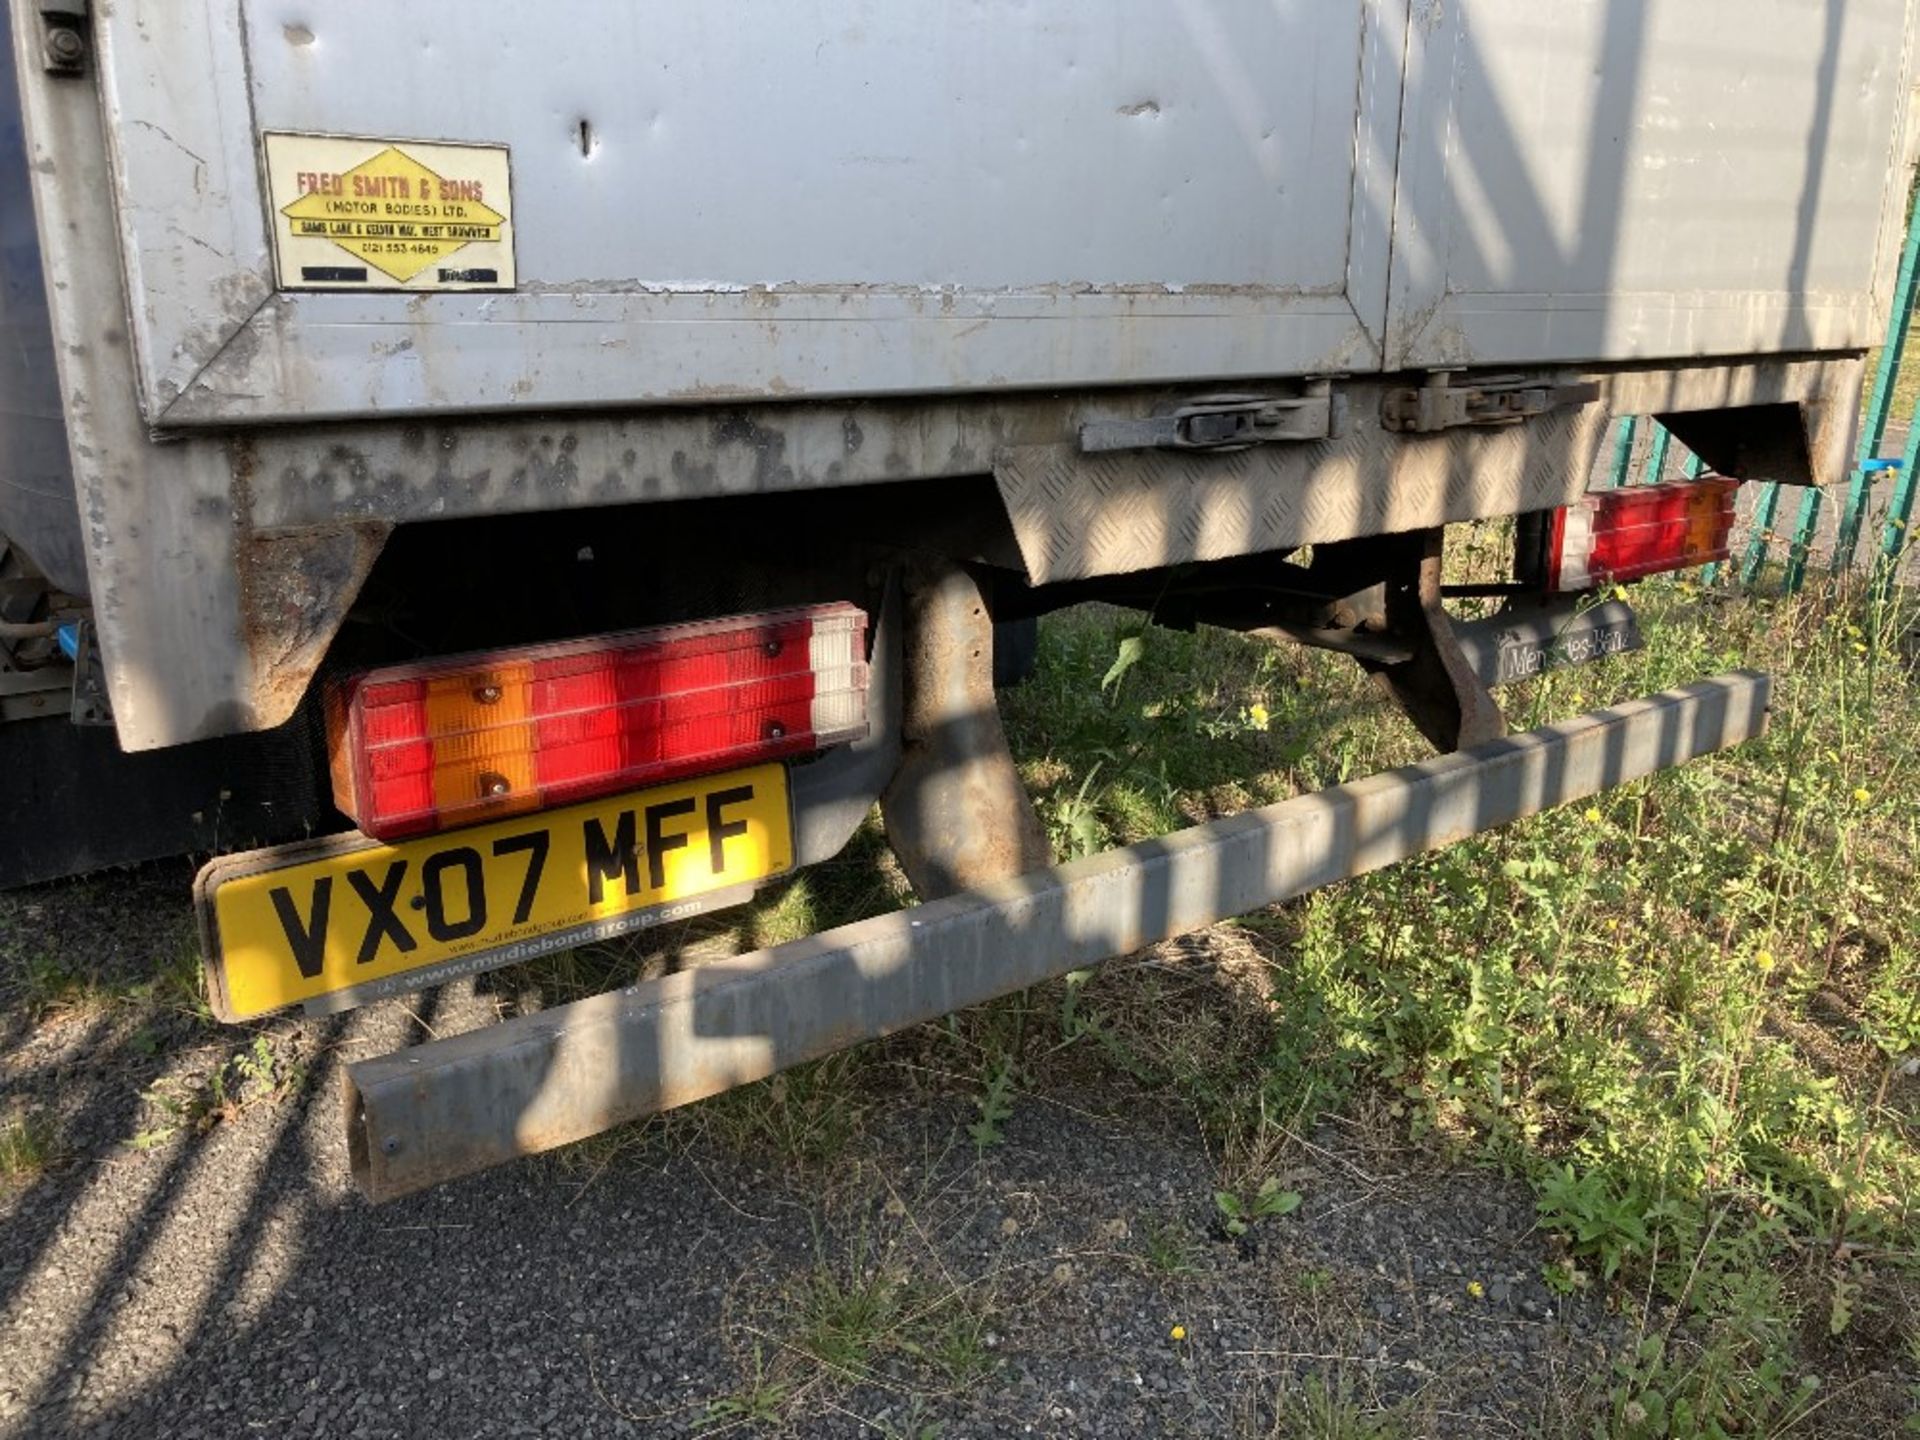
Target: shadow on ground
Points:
(838, 1252)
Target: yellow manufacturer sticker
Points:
(352, 214)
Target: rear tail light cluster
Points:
(425, 747)
(1624, 534)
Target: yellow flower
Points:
(1763, 961)
(1592, 817)
(1257, 713)
(1179, 1332)
(1862, 795)
(1476, 1289)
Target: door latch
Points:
(1492, 400)
(1226, 422)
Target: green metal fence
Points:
(1869, 465)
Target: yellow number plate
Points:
(348, 919)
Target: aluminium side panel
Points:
(1648, 179)
(160, 522)
(37, 509)
(750, 199)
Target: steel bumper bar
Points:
(448, 1108)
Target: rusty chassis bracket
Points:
(1378, 599)
(1436, 685)
(956, 813)
(1391, 618)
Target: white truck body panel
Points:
(750, 199)
(1605, 179)
(762, 246)
(758, 199)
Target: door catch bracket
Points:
(1220, 423)
(1491, 400)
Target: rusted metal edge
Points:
(957, 815)
(455, 1106)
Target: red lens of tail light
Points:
(429, 746)
(1619, 535)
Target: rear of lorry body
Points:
(547, 471)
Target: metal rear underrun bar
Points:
(449, 1108)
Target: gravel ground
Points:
(189, 1268)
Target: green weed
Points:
(1738, 1382)
(846, 1315)
(1314, 1281)
(761, 1401)
(1240, 1212)
(1601, 1218)
(1167, 1246)
(995, 1104)
(1319, 1410)
(253, 1075)
(29, 1146)
(872, 1315)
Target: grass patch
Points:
(1197, 724)
(1169, 1248)
(29, 1146)
(51, 984)
(806, 1116)
(875, 1315)
(1323, 1409)
(761, 1400)
(1688, 1012)
(872, 1315)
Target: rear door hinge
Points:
(1491, 400)
(1226, 422)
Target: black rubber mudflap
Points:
(72, 802)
